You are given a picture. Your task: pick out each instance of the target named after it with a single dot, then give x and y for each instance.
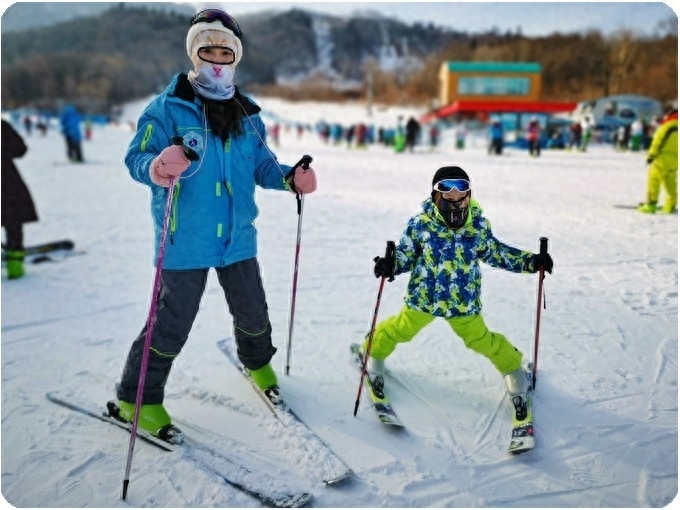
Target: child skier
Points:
(441, 247)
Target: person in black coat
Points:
(412, 133)
(17, 204)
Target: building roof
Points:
(500, 107)
(494, 67)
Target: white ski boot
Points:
(376, 374)
(517, 384)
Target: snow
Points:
(606, 399)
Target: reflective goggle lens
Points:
(447, 185)
(210, 15)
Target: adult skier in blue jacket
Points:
(211, 224)
(70, 127)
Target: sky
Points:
(606, 399)
(534, 18)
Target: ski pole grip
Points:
(304, 163)
(390, 254)
(543, 246)
(190, 153)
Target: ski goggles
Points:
(210, 15)
(216, 55)
(446, 185)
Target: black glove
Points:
(543, 260)
(384, 267)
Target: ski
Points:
(522, 439)
(60, 256)
(331, 468)
(659, 210)
(522, 431)
(381, 405)
(52, 251)
(62, 244)
(49, 257)
(267, 490)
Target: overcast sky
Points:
(534, 18)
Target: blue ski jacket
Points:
(70, 123)
(213, 210)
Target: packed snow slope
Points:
(606, 400)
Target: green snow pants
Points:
(472, 330)
(659, 176)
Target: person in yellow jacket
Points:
(663, 166)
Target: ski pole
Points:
(150, 321)
(304, 163)
(389, 254)
(147, 339)
(541, 275)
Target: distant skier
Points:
(412, 133)
(534, 137)
(28, 124)
(587, 133)
(575, 135)
(434, 136)
(662, 158)
(70, 128)
(17, 204)
(496, 137)
(441, 248)
(461, 134)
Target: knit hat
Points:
(448, 172)
(212, 34)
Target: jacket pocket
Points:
(173, 220)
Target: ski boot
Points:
(517, 384)
(649, 208)
(376, 374)
(153, 418)
(265, 379)
(15, 264)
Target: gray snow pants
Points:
(177, 305)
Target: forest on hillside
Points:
(575, 68)
(590, 65)
(101, 62)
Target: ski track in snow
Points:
(606, 398)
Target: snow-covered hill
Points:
(606, 400)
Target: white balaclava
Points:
(212, 81)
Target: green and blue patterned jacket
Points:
(444, 263)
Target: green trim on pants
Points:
(401, 328)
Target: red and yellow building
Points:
(481, 89)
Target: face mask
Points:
(214, 81)
(454, 213)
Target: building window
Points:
(493, 86)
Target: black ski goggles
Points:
(210, 15)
